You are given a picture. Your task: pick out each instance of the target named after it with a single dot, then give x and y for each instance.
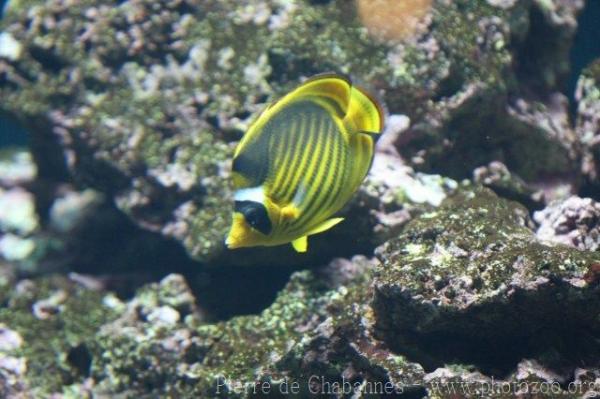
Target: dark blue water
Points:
(2, 4)
(11, 133)
(586, 47)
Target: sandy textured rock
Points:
(474, 120)
(323, 334)
(530, 379)
(53, 350)
(142, 102)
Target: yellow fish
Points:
(301, 161)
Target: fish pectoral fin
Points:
(326, 225)
(300, 244)
(289, 212)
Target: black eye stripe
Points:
(255, 214)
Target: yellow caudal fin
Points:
(300, 244)
(326, 225)
(363, 121)
(364, 114)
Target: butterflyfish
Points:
(301, 161)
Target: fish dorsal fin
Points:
(330, 90)
(365, 114)
(300, 244)
(360, 110)
(326, 225)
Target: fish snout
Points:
(231, 243)
(238, 233)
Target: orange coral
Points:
(392, 19)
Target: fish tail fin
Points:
(365, 113)
(363, 122)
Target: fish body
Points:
(301, 161)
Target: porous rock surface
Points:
(472, 276)
(442, 308)
(572, 222)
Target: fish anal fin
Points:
(300, 244)
(326, 225)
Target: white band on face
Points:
(255, 194)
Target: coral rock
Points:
(472, 274)
(574, 222)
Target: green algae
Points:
(472, 274)
(48, 342)
(237, 350)
(479, 237)
(229, 359)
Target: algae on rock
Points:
(57, 320)
(473, 271)
(318, 325)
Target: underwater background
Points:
(467, 264)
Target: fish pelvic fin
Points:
(326, 225)
(300, 244)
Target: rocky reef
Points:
(468, 262)
(144, 99)
(439, 302)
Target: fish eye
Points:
(251, 217)
(255, 215)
